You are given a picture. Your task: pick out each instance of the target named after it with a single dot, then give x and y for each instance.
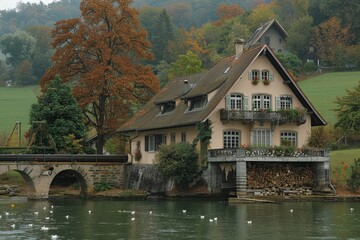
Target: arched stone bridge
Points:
(39, 170)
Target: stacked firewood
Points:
(278, 176)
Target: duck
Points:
(351, 209)
(44, 228)
(202, 217)
(7, 214)
(36, 213)
(211, 220)
(30, 224)
(13, 225)
(132, 219)
(54, 237)
(184, 211)
(67, 216)
(89, 211)
(150, 212)
(52, 206)
(133, 212)
(44, 208)
(47, 218)
(291, 210)
(249, 221)
(215, 218)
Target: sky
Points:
(10, 4)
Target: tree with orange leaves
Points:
(225, 12)
(100, 53)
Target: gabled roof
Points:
(263, 29)
(221, 77)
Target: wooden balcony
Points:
(279, 117)
(270, 154)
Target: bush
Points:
(177, 162)
(99, 187)
(309, 67)
(354, 181)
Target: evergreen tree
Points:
(164, 34)
(64, 118)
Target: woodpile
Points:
(279, 178)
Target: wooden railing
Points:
(263, 115)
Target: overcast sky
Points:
(10, 4)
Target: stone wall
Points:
(113, 174)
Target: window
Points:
(236, 101)
(152, 142)
(261, 138)
(173, 137)
(288, 137)
(261, 101)
(280, 40)
(231, 139)
(255, 75)
(285, 102)
(183, 137)
(167, 107)
(197, 103)
(265, 75)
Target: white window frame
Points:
(261, 101)
(290, 136)
(255, 75)
(231, 138)
(261, 137)
(265, 75)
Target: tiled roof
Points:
(221, 77)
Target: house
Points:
(247, 98)
(271, 34)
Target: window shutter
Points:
(146, 143)
(277, 103)
(250, 75)
(271, 76)
(246, 102)
(228, 102)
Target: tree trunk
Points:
(100, 144)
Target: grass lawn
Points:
(339, 159)
(323, 89)
(15, 105)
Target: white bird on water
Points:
(7, 214)
(249, 221)
(47, 218)
(211, 220)
(36, 213)
(215, 218)
(44, 208)
(184, 211)
(13, 225)
(150, 212)
(89, 211)
(51, 212)
(133, 212)
(54, 237)
(30, 224)
(44, 228)
(202, 217)
(132, 219)
(351, 209)
(291, 210)
(67, 216)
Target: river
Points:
(133, 220)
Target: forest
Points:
(190, 30)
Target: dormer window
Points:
(197, 103)
(167, 107)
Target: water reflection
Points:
(112, 220)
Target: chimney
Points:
(239, 46)
(186, 86)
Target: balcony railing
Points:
(281, 117)
(270, 153)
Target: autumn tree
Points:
(329, 37)
(261, 14)
(186, 64)
(225, 12)
(100, 53)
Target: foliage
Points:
(291, 62)
(293, 114)
(348, 111)
(330, 36)
(64, 119)
(102, 186)
(178, 162)
(289, 11)
(227, 11)
(261, 14)
(204, 132)
(354, 180)
(185, 65)
(321, 136)
(100, 54)
(309, 67)
(340, 175)
(73, 145)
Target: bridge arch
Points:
(24, 174)
(69, 176)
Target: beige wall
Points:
(149, 157)
(245, 87)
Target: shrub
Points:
(354, 181)
(99, 187)
(309, 67)
(177, 162)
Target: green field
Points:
(323, 89)
(340, 159)
(15, 105)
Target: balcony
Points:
(270, 154)
(279, 117)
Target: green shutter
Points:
(277, 103)
(228, 102)
(246, 102)
(250, 75)
(271, 76)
